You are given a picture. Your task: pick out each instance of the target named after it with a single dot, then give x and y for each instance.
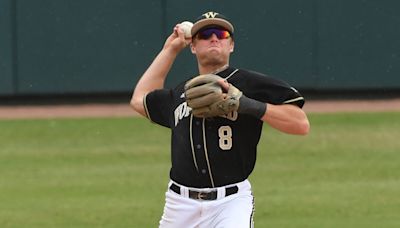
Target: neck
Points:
(212, 69)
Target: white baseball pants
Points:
(233, 211)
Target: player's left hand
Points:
(210, 95)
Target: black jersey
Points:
(213, 152)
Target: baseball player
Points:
(216, 120)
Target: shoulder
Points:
(255, 77)
(266, 88)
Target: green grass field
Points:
(113, 172)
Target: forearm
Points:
(287, 118)
(153, 78)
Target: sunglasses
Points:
(221, 33)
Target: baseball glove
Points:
(207, 98)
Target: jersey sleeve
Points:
(158, 104)
(271, 90)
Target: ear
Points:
(232, 46)
(192, 49)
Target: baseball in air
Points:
(186, 27)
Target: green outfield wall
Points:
(61, 47)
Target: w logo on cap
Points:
(210, 14)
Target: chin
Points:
(213, 61)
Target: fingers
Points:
(176, 41)
(181, 35)
(176, 30)
(224, 85)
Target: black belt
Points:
(212, 195)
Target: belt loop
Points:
(184, 191)
(220, 193)
(170, 184)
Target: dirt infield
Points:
(123, 110)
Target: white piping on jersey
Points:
(232, 74)
(293, 100)
(206, 153)
(220, 69)
(191, 143)
(205, 140)
(145, 107)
